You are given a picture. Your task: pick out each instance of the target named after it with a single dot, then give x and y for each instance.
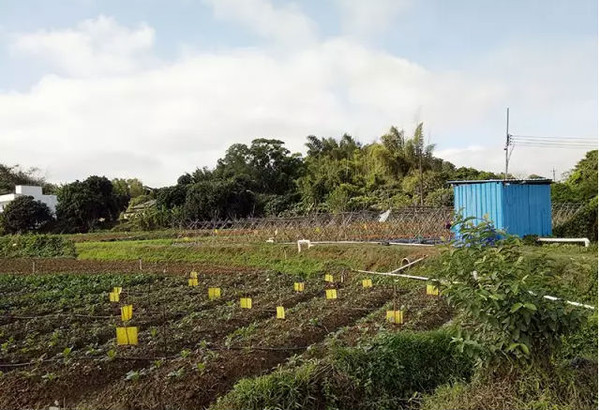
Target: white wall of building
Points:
(28, 190)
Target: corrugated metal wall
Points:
(527, 209)
(520, 209)
(480, 199)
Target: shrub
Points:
(502, 313)
(40, 246)
(397, 366)
(383, 375)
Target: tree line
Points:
(264, 178)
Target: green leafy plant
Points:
(503, 314)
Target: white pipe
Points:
(392, 273)
(585, 241)
(410, 244)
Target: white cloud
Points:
(136, 119)
(94, 47)
(283, 24)
(365, 18)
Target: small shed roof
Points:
(539, 181)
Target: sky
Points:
(156, 88)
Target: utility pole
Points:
(506, 146)
(421, 173)
(554, 174)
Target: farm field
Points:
(58, 338)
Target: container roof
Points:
(539, 181)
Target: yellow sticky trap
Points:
(117, 290)
(193, 282)
(194, 275)
(367, 283)
(113, 296)
(246, 303)
(433, 290)
(214, 293)
(127, 335)
(329, 278)
(395, 316)
(331, 293)
(280, 312)
(299, 286)
(126, 312)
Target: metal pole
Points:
(506, 146)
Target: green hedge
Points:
(382, 375)
(37, 246)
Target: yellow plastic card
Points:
(194, 275)
(117, 290)
(246, 303)
(395, 316)
(299, 286)
(328, 278)
(214, 293)
(367, 283)
(127, 335)
(331, 293)
(433, 290)
(126, 312)
(280, 312)
(193, 282)
(113, 296)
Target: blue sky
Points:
(155, 88)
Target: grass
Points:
(384, 374)
(279, 257)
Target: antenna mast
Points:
(506, 146)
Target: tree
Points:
(209, 200)
(10, 176)
(171, 196)
(85, 205)
(270, 166)
(25, 214)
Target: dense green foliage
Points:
(499, 295)
(25, 214)
(581, 186)
(10, 176)
(37, 246)
(386, 374)
(85, 205)
(266, 179)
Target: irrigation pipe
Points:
(423, 278)
(394, 272)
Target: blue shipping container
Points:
(519, 207)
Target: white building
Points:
(26, 190)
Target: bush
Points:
(383, 375)
(399, 365)
(39, 246)
(503, 315)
